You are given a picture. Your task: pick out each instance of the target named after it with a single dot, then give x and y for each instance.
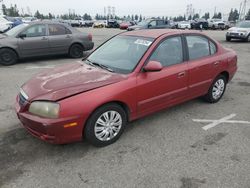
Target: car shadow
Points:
(43, 59)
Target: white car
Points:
(240, 31)
(5, 25)
(29, 19)
(184, 25)
(216, 24)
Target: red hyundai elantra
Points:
(131, 75)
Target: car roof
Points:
(155, 33)
(45, 22)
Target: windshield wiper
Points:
(100, 65)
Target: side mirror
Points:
(22, 35)
(153, 66)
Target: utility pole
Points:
(243, 7)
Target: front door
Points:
(157, 90)
(35, 42)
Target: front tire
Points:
(105, 125)
(8, 57)
(216, 90)
(248, 38)
(228, 39)
(76, 51)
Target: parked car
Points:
(99, 24)
(42, 38)
(113, 24)
(184, 25)
(199, 24)
(240, 31)
(150, 24)
(78, 22)
(15, 21)
(29, 19)
(130, 76)
(216, 24)
(126, 24)
(5, 25)
(88, 23)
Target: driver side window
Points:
(152, 23)
(169, 52)
(35, 31)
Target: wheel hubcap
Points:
(218, 89)
(108, 125)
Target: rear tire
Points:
(216, 90)
(76, 51)
(8, 57)
(248, 38)
(228, 39)
(109, 128)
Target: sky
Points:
(125, 7)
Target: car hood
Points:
(137, 27)
(238, 29)
(68, 80)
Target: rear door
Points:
(157, 90)
(60, 38)
(36, 41)
(201, 67)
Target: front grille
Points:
(234, 34)
(22, 99)
(221, 24)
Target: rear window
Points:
(198, 47)
(56, 29)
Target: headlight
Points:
(45, 109)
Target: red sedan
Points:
(125, 25)
(130, 76)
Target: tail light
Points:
(90, 37)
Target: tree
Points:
(233, 15)
(4, 9)
(206, 16)
(51, 16)
(219, 15)
(38, 15)
(248, 15)
(136, 17)
(140, 19)
(196, 16)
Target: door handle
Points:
(181, 74)
(68, 37)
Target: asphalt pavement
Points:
(167, 149)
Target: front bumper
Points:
(236, 35)
(53, 131)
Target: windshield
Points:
(122, 53)
(142, 23)
(243, 24)
(16, 30)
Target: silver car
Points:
(240, 31)
(41, 39)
